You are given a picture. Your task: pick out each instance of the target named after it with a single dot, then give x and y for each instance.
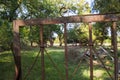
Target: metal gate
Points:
(64, 20)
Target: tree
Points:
(72, 36)
(104, 6)
(83, 33)
(8, 13)
(76, 34)
(100, 32)
(26, 9)
(5, 35)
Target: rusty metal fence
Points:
(64, 20)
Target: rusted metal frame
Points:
(42, 53)
(114, 47)
(66, 50)
(16, 51)
(75, 19)
(102, 63)
(91, 54)
(55, 66)
(72, 19)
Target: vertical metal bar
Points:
(42, 53)
(16, 51)
(91, 54)
(114, 46)
(66, 51)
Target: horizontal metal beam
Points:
(71, 19)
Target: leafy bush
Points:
(5, 35)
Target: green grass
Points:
(6, 66)
(57, 55)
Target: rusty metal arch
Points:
(64, 20)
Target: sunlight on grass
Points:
(55, 49)
(6, 56)
(5, 59)
(98, 74)
(86, 73)
(58, 50)
(29, 53)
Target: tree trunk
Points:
(60, 40)
(51, 42)
(101, 42)
(31, 43)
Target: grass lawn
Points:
(57, 55)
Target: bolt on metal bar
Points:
(16, 51)
(42, 53)
(114, 46)
(91, 54)
(66, 50)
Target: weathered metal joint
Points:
(90, 44)
(42, 46)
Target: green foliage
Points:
(59, 31)
(72, 36)
(79, 34)
(82, 32)
(100, 32)
(5, 35)
(107, 6)
(26, 9)
(8, 9)
(33, 34)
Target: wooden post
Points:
(91, 54)
(114, 47)
(66, 51)
(42, 53)
(16, 51)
